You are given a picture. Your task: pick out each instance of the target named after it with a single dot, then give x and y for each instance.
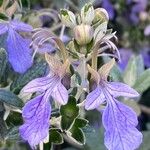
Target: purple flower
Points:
(109, 7)
(119, 120)
(136, 9)
(147, 30)
(36, 112)
(19, 53)
(125, 55)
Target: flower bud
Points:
(143, 16)
(101, 16)
(68, 18)
(83, 34)
(87, 14)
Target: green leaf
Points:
(76, 130)
(2, 41)
(140, 65)
(74, 91)
(13, 133)
(10, 98)
(94, 138)
(130, 74)
(145, 144)
(80, 123)
(37, 70)
(143, 82)
(115, 74)
(3, 62)
(69, 112)
(3, 16)
(55, 137)
(3, 128)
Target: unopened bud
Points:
(101, 16)
(68, 18)
(83, 34)
(143, 16)
(87, 14)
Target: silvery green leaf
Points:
(68, 18)
(143, 82)
(3, 128)
(87, 13)
(37, 70)
(140, 65)
(145, 145)
(83, 2)
(94, 138)
(3, 62)
(10, 98)
(130, 73)
(2, 41)
(13, 133)
(100, 31)
(109, 35)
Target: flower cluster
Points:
(119, 121)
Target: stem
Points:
(94, 57)
(62, 32)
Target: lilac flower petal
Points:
(120, 89)
(3, 28)
(18, 52)
(134, 18)
(20, 26)
(147, 30)
(120, 124)
(60, 94)
(41, 84)
(125, 55)
(94, 99)
(36, 115)
(38, 85)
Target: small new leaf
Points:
(68, 18)
(76, 130)
(55, 137)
